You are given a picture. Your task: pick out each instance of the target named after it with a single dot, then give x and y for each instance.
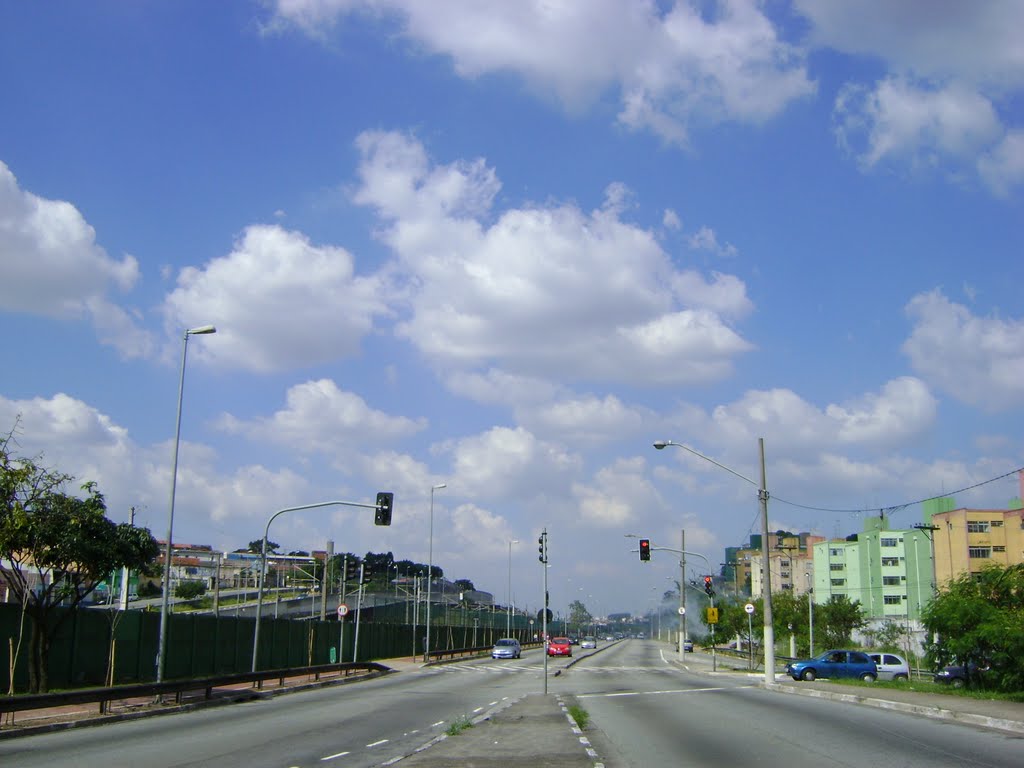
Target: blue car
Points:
(835, 664)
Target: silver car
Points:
(506, 648)
(890, 666)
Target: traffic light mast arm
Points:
(681, 552)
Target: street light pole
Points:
(430, 567)
(165, 601)
(508, 603)
(762, 495)
(263, 563)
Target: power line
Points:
(894, 507)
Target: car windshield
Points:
(561, 641)
(505, 642)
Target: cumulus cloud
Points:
(900, 120)
(318, 416)
(278, 302)
(511, 464)
(1002, 168)
(480, 531)
(951, 66)
(723, 62)
(541, 291)
(50, 264)
(978, 360)
(617, 492)
(587, 419)
(705, 239)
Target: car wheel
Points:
(957, 682)
(901, 677)
(867, 677)
(808, 675)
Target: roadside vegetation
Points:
(459, 725)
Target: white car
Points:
(588, 642)
(890, 666)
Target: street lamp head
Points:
(660, 444)
(438, 487)
(201, 330)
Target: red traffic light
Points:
(645, 549)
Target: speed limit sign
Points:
(342, 611)
(749, 607)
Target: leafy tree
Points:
(892, 636)
(980, 620)
(837, 620)
(579, 616)
(256, 547)
(464, 585)
(55, 548)
(188, 590)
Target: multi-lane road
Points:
(649, 711)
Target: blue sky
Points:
(505, 247)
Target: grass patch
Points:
(580, 715)
(926, 686)
(459, 725)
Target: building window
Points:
(838, 582)
(892, 599)
(891, 581)
(996, 523)
(836, 567)
(889, 542)
(998, 548)
(977, 526)
(835, 553)
(890, 561)
(979, 552)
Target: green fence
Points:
(199, 645)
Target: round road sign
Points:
(342, 611)
(682, 611)
(749, 607)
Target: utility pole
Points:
(682, 593)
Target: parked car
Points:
(506, 648)
(890, 666)
(559, 646)
(956, 675)
(688, 646)
(834, 664)
(588, 642)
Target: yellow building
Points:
(968, 540)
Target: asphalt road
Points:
(655, 714)
(645, 710)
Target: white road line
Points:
(378, 743)
(332, 757)
(492, 703)
(645, 693)
(478, 709)
(439, 722)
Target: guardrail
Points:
(103, 696)
(479, 650)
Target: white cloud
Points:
(543, 291)
(933, 38)
(705, 239)
(496, 387)
(618, 491)
(723, 62)
(586, 419)
(902, 121)
(51, 265)
(505, 463)
(978, 360)
(320, 417)
(1003, 167)
(278, 302)
(481, 532)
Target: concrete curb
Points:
(934, 712)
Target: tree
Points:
(464, 585)
(188, 590)
(979, 620)
(837, 619)
(256, 547)
(579, 616)
(55, 548)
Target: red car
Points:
(559, 646)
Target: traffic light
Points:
(383, 514)
(367, 574)
(709, 586)
(645, 549)
(542, 549)
(351, 569)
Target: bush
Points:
(187, 590)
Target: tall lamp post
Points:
(762, 495)
(165, 602)
(508, 603)
(430, 567)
